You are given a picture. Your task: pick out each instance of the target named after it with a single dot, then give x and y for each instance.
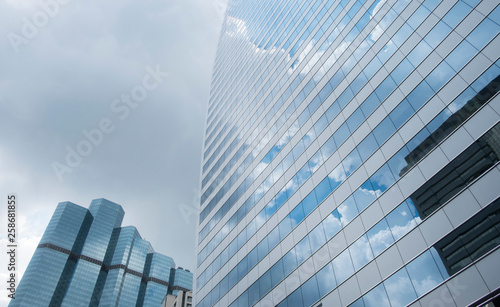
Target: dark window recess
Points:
(471, 240)
(469, 165)
(491, 300)
(452, 123)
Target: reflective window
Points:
(277, 273)
(364, 195)
(483, 33)
(342, 266)
(367, 147)
(376, 297)
(370, 104)
(326, 279)
(347, 210)
(332, 224)
(437, 34)
(310, 291)
(302, 250)
(400, 289)
(351, 162)
(440, 75)
(420, 95)
(402, 70)
(380, 237)
(317, 237)
(424, 273)
(401, 113)
(457, 14)
(289, 262)
(402, 219)
(384, 130)
(419, 53)
(361, 252)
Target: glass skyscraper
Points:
(351, 155)
(86, 259)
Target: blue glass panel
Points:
(277, 273)
(252, 258)
(326, 279)
(418, 16)
(361, 252)
(403, 33)
(385, 88)
(401, 113)
(273, 237)
(310, 291)
(380, 237)
(437, 34)
(323, 189)
(345, 98)
(332, 111)
(337, 176)
(265, 283)
(377, 297)
(295, 299)
(424, 273)
(355, 120)
(382, 179)
(370, 104)
(419, 53)
(347, 210)
(317, 237)
(457, 14)
(253, 293)
(262, 248)
(367, 147)
(285, 226)
(420, 95)
(242, 268)
(289, 262)
(461, 55)
(303, 250)
(358, 303)
(400, 289)
(402, 70)
(384, 130)
(342, 265)
(439, 263)
(351, 162)
(439, 76)
(483, 33)
(297, 215)
(332, 224)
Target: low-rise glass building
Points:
(85, 258)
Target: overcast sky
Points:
(106, 99)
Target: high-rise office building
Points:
(85, 258)
(182, 299)
(351, 155)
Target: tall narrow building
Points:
(351, 155)
(85, 258)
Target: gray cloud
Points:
(65, 81)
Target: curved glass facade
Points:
(86, 259)
(346, 145)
